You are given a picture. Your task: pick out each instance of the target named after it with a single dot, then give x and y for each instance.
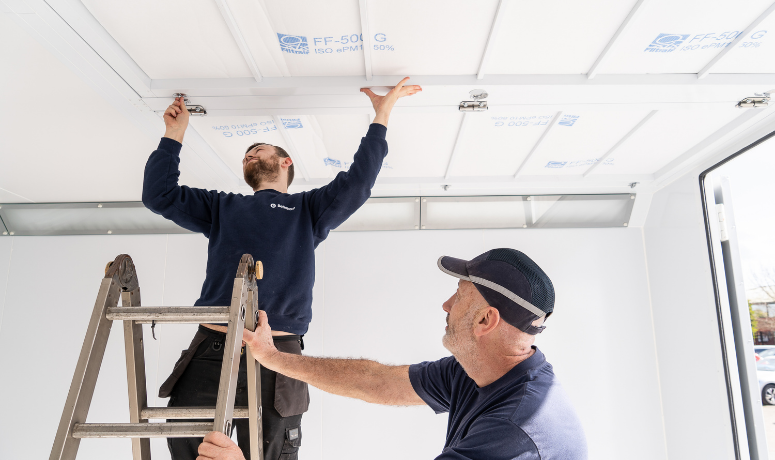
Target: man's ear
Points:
(286, 162)
(486, 321)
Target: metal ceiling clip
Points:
(476, 105)
(756, 102)
(192, 109)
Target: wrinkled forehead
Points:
(263, 147)
(466, 287)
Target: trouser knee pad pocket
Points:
(291, 444)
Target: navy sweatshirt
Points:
(279, 229)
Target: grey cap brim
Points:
(454, 267)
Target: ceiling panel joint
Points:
(621, 141)
(292, 150)
(544, 135)
(706, 70)
(366, 35)
(615, 39)
(231, 22)
(496, 24)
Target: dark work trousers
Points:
(197, 385)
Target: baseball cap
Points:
(509, 281)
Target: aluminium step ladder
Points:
(121, 281)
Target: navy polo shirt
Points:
(523, 415)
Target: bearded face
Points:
(262, 170)
(459, 336)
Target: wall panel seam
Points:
(654, 335)
(5, 292)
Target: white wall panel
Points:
(6, 252)
(681, 37)
(533, 31)
(697, 423)
(173, 39)
(52, 286)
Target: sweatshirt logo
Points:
(281, 206)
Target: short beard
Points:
(261, 171)
(459, 338)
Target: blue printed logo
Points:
(332, 162)
(294, 44)
(568, 120)
(291, 123)
(555, 164)
(665, 43)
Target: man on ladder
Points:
(280, 229)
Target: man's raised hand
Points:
(384, 104)
(176, 120)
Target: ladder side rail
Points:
(227, 386)
(255, 423)
(135, 374)
(86, 372)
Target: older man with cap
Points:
(502, 397)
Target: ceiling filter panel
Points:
(419, 145)
(580, 140)
(554, 36)
(754, 53)
(438, 37)
(496, 144)
(682, 37)
(664, 137)
(341, 135)
(173, 38)
(318, 38)
(230, 137)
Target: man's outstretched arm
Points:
(363, 379)
(332, 204)
(188, 207)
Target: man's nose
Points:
(447, 306)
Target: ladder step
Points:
(150, 413)
(142, 430)
(169, 314)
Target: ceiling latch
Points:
(192, 109)
(477, 105)
(756, 102)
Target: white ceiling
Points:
(84, 85)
